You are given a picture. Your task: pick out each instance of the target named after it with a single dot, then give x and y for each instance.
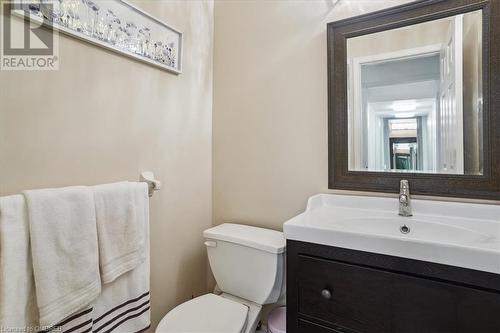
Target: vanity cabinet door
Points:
(365, 299)
(358, 296)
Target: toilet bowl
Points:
(248, 265)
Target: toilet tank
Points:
(247, 262)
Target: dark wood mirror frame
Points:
(486, 186)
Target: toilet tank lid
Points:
(259, 238)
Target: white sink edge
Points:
(467, 255)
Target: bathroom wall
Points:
(104, 118)
(270, 105)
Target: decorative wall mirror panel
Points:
(116, 25)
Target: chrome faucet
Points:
(404, 198)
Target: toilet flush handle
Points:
(211, 244)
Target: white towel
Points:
(120, 228)
(18, 311)
(123, 305)
(64, 250)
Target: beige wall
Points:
(270, 106)
(103, 118)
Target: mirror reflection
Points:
(415, 98)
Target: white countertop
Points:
(459, 234)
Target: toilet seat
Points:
(205, 314)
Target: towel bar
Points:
(149, 178)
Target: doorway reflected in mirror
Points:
(415, 98)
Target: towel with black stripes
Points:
(124, 304)
(129, 316)
(117, 303)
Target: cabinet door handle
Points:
(326, 294)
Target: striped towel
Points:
(123, 305)
(131, 316)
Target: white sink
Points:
(459, 234)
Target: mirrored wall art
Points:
(116, 25)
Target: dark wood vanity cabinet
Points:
(333, 289)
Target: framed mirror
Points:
(414, 93)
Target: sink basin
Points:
(459, 234)
(416, 229)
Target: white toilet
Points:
(248, 265)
